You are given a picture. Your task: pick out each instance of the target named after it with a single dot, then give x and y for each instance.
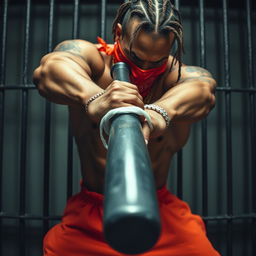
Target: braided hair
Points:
(158, 16)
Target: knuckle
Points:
(114, 97)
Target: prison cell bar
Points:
(75, 31)
(250, 75)
(229, 169)
(251, 91)
(204, 121)
(2, 102)
(24, 125)
(180, 153)
(47, 129)
(103, 19)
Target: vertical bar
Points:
(23, 149)
(2, 100)
(70, 136)
(180, 174)
(177, 4)
(250, 75)
(179, 154)
(228, 127)
(103, 19)
(204, 122)
(76, 19)
(47, 129)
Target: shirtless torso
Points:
(93, 154)
(76, 71)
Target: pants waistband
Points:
(163, 194)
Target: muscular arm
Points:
(65, 76)
(192, 98)
(186, 101)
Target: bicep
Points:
(84, 54)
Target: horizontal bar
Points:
(31, 86)
(28, 217)
(4, 215)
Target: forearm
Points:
(189, 101)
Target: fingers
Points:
(125, 87)
(121, 99)
(146, 132)
(121, 93)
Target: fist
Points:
(117, 94)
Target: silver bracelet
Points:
(161, 111)
(92, 99)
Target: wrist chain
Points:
(159, 110)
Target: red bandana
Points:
(144, 79)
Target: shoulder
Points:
(84, 51)
(186, 73)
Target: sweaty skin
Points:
(76, 71)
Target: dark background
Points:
(214, 173)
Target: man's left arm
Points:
(188, 100)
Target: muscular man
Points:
(144, 34)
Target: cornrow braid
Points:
(158, 16)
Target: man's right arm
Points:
(65, 75)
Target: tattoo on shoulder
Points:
(198, 70)
(70, 46)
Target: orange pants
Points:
(80, 232)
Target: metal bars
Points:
(47, 129)
(204, 122)
(24, 123)
(180, 153)
(250, 75)
(103, 19)
(2, 102)
(229, 170)
(24, 87)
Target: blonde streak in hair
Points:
(170, 17)
(144, 10)
(157, 14)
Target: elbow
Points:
(38, 81)
(41, 76)
(209, 95)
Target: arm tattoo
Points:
(68, 47)
(72, 47)
(207, 79)
(196, 73)
(201, 72)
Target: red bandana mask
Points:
(144, 79)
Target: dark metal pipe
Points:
(204, 122)
(179, 154)
(2, 102)
(76, 19)
(24, 123)
(2, 82)
(250, 77)
(177, 4)
(180, 174)
(103, 19)
(228, 128)
(4, 215)
(47, 128)
(218, 89)
(70, 152)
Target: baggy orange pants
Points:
(80, 232)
